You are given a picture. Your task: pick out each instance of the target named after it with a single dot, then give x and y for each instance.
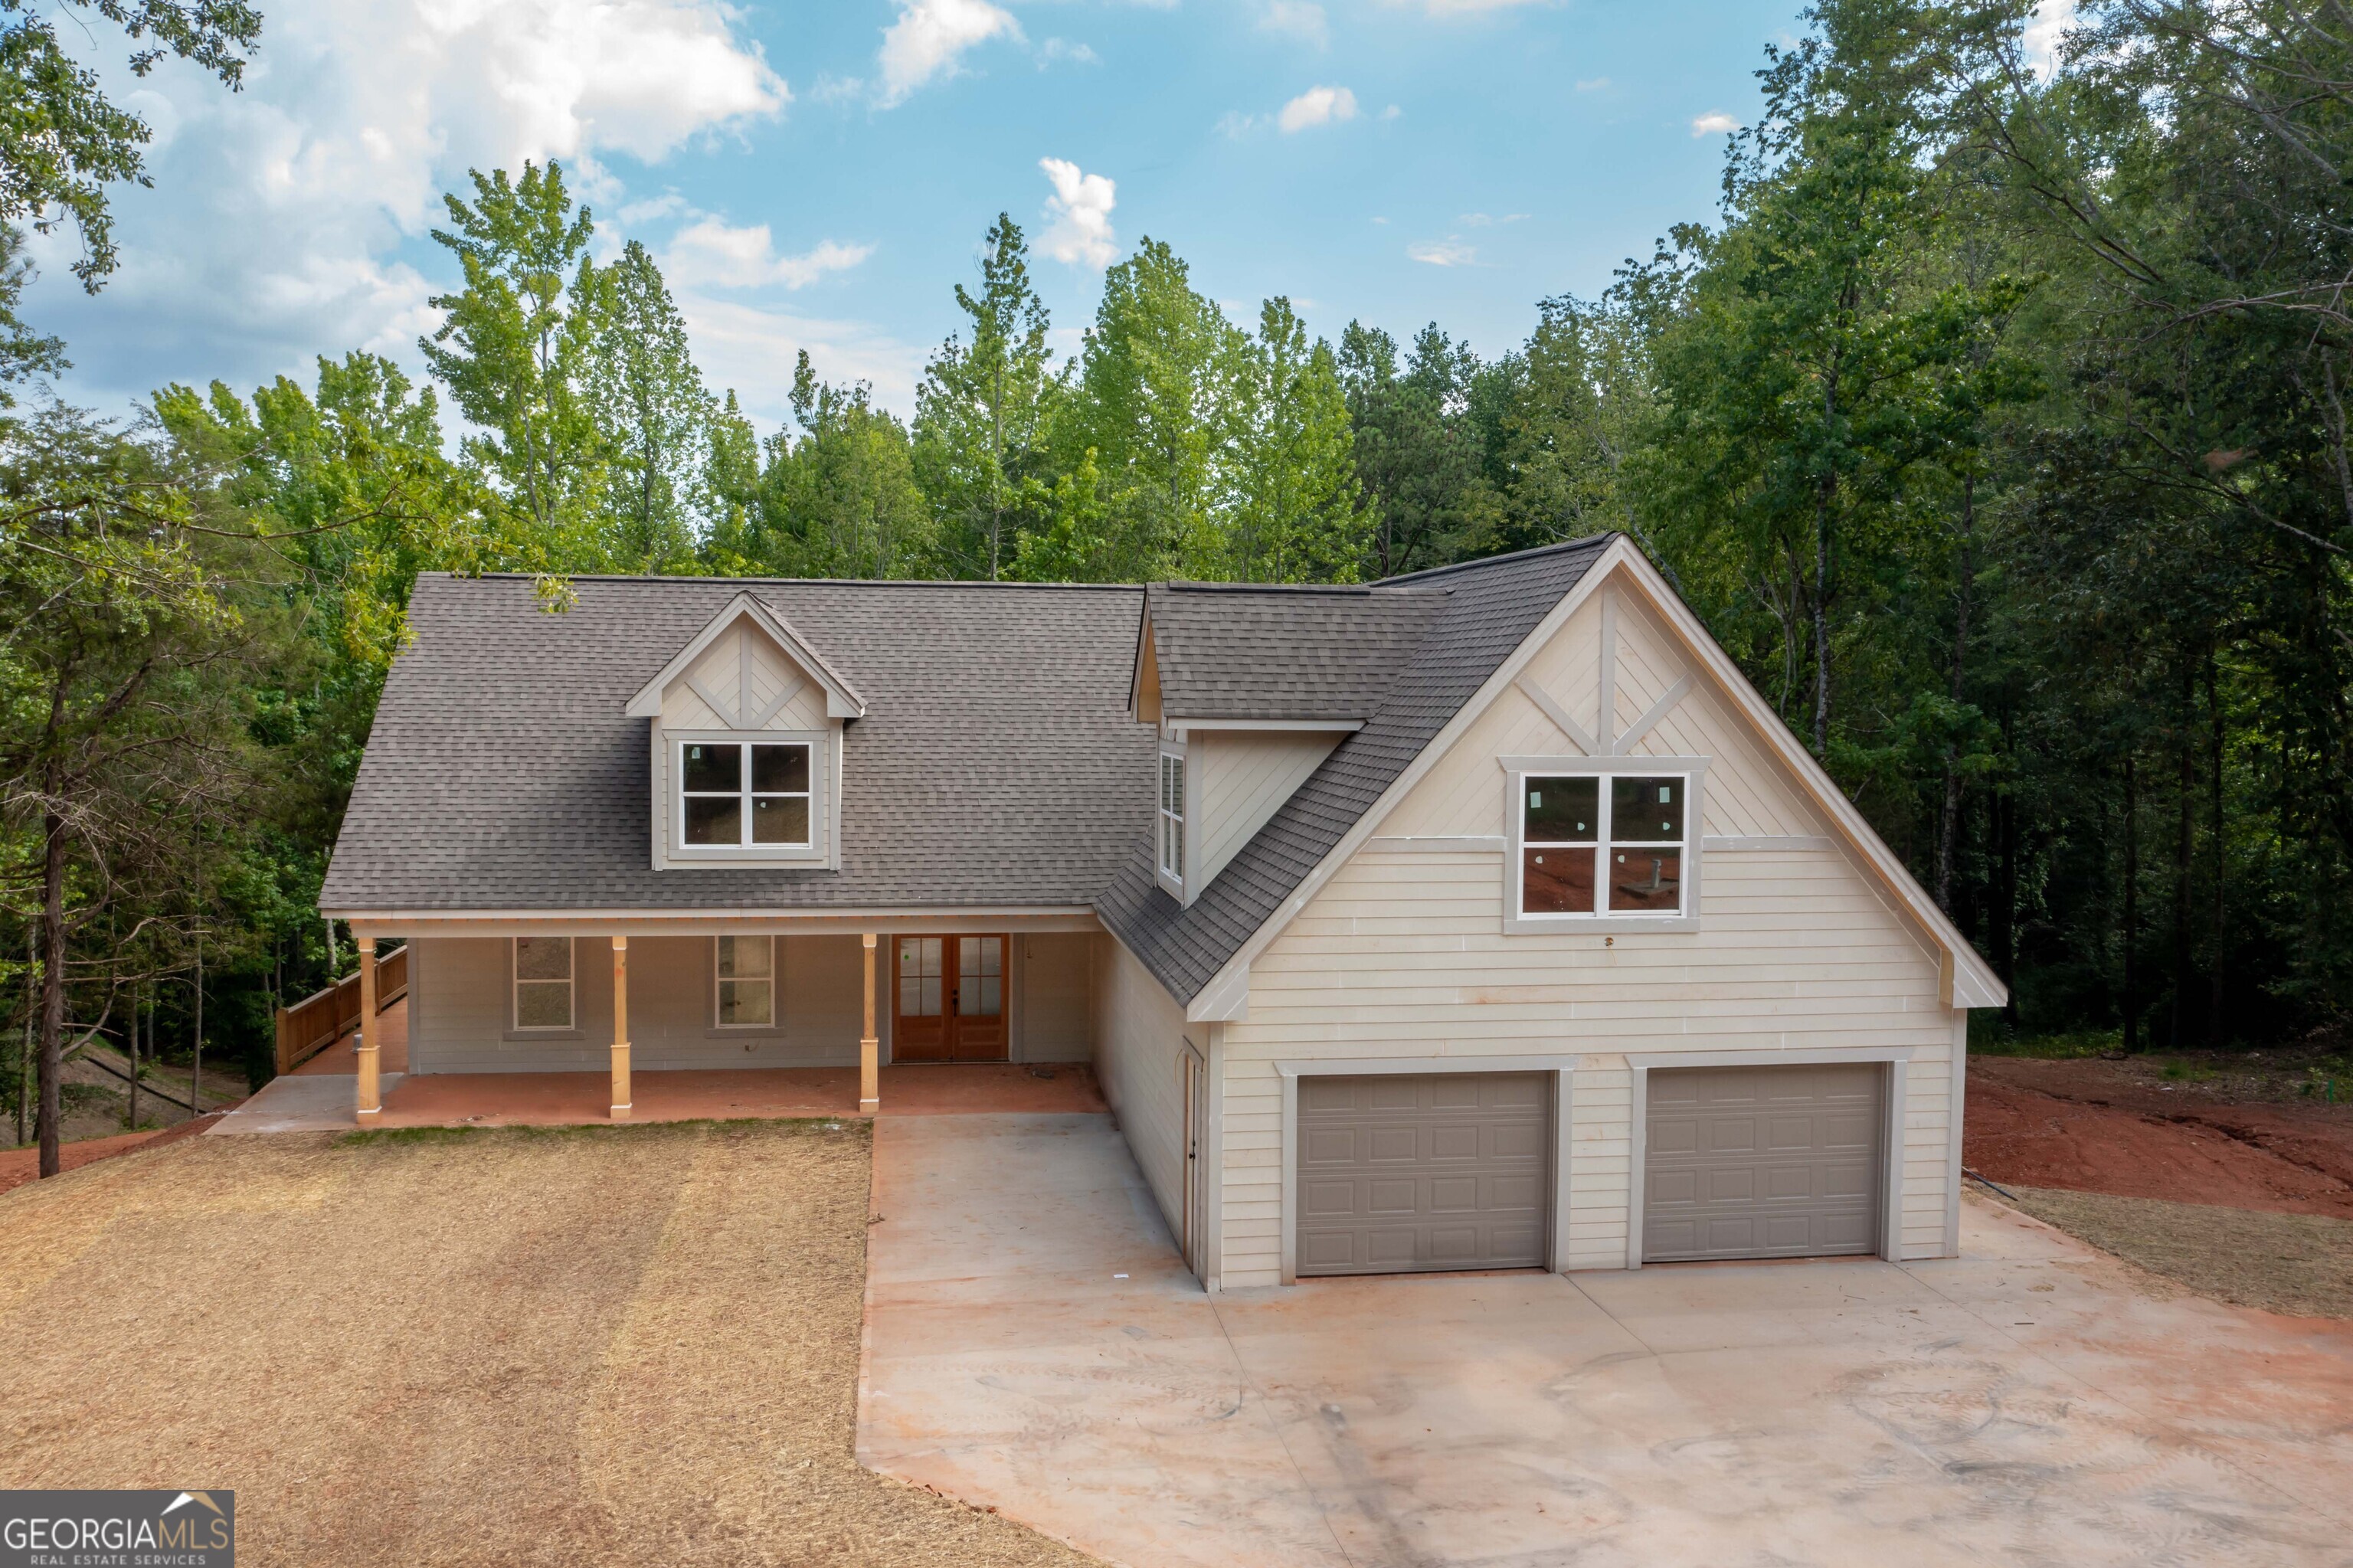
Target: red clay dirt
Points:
(18, 1165)
(2088, 1127)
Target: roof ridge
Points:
(771, 582)
(1589, 542)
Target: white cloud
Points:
(923, 44)
(2045, 30)
(1301, 19)
(272, 231)
(1079, 213)
(1482, 220)
(1391, 112)
(1443, 253)
(1055, 49)
(751, 349)
(709, 252)
(1317, 106)
(1593, 84)
(1714, 123)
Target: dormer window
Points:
(744, 794)
(1172, 817)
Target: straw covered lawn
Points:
(604, 1345)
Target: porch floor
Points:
(561, 1099)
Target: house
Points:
(1482, 918)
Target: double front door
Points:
(949, 999)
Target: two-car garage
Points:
(1414, 1172)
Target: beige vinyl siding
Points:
(1403, 954)
(460, 1011)
(1242, 778)
(743, 658)
(1139, 1061)
(1057, 981)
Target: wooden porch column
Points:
(620, 1029)
(371, 1095)
(870, 1048)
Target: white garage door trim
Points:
(1897, 1059)
(1561, 1068)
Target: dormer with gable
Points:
(747, 724)
(1251, 688)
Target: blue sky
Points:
(820, 176)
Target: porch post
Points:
(620, 1029)
(870, 1048)
(371, 1097)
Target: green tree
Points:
(646, 396)
(517, 351)
(1153, 384)
(982, 411)
(841, 501)
(63, 141)
(1288, 515)
(1417, 456)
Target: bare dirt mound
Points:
(2134, 1141)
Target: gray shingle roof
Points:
(1481, 611)
(996, 765)
(1231, 651)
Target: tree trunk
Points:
(131, 1033)
(2215, 960)
(53, 985)
(1823, 625)
(197, 1069)
(32, 1008)
(2004, 934)
(1949, 826)
(2184, 839)
(2132, 905)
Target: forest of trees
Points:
(1995, 422)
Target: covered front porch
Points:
(322, 1093)
(517, 1019)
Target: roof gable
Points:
(747, 705)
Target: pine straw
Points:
(606, 1345)
(2301, 1265)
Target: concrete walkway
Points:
(1033, 1345)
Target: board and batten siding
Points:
(1402, 953)
(1140, 1065)
(1241, 778)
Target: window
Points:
(745, 973)
(1603, 844)
(1172, 815)
(744, 794)
(543, 983)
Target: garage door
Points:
(1402, 1174)
(1762, 1163)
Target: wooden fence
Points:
(320, 1019)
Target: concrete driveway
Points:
(1033, 1345)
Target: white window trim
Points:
(824, 761)
(1174, 882)
(776, 990)
(515, 982)
(1516, 771)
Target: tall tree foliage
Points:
(981, 413)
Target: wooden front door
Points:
(948, 999)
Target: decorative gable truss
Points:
(749, 707)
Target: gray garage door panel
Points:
(1403, 1173)
(1763, 1162)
